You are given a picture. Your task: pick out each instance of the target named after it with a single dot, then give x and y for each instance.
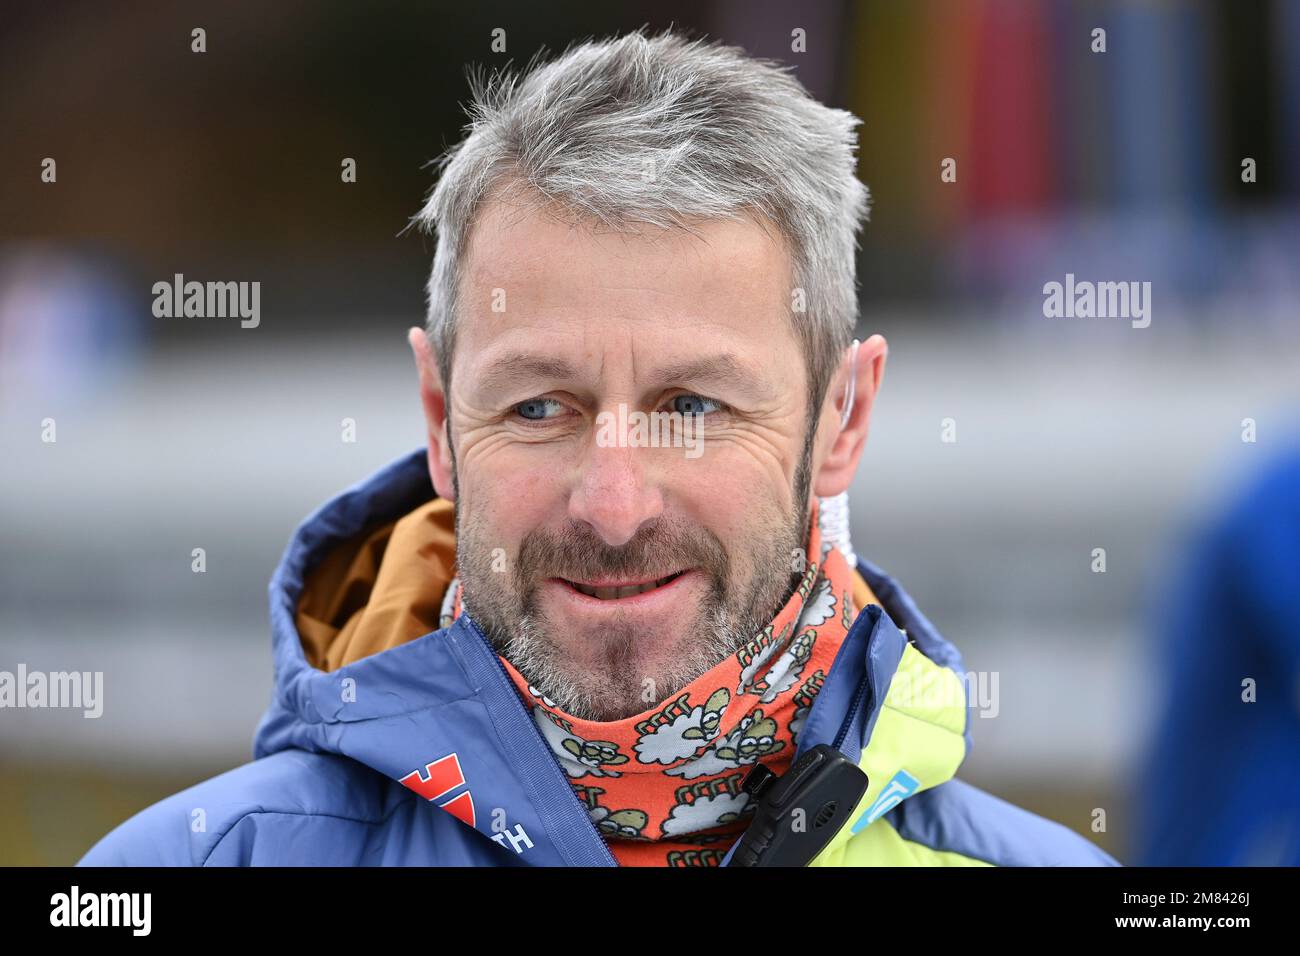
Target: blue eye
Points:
(694, 405)
(535, 409)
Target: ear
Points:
(435, 414)
(841, 448)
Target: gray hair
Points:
(723, 136)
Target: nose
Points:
(614, 493)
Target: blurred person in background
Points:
(1220, 784)
(68, 327)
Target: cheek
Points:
(734, 499)
(734, 484)
(511, 497)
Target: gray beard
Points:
(527, 647)
(617, 692)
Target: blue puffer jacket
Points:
(338, 753)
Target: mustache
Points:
(578, 553)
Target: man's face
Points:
(557, 524)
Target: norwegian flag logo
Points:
(438, 779)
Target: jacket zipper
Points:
(528, 719)
(859, 695)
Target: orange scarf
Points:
(663, 787)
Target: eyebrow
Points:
(722, 370)
(511, 367)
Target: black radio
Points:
(823, 785)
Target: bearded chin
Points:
(611, 685)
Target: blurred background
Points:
(1072, 434)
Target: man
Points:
(618, 578)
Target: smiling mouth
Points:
(613, 592)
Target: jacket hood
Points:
(364, 669)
